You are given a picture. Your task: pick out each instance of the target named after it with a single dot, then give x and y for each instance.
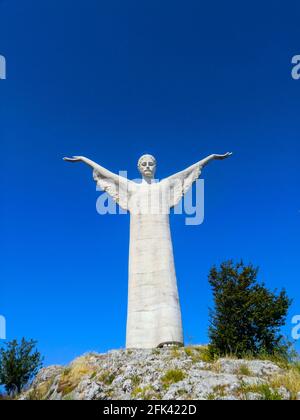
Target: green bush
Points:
(19, 363)
(247, 317)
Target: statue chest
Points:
(149, 200)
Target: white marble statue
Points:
(154, 316)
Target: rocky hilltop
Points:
(167, 374)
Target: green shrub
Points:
(243, 370)
(107, 378)
(135, 380)
(247, 317)
(172, 376)
(264, 390)
(19, 363)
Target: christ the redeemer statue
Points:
(154, 316)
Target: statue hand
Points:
(73, 159)
(221, 157)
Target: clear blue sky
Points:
(114, 79)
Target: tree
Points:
(247, 317)
(19, 363)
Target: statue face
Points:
(147, 166)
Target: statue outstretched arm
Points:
(95, 166)
(210, 158)
(181, 182)
(199, 165)
(116, 186)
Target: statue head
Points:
(147, 166)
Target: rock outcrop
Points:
(164, 374)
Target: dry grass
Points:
(290, 380)
(265, 391)
(72, 375)
(172, 376)
(175, 353)
(145, 393)
(243, 370)
(216, 367)
(199, 354)
(220, 390)
(106, 377)
(136, 380)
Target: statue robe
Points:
(153, 314)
